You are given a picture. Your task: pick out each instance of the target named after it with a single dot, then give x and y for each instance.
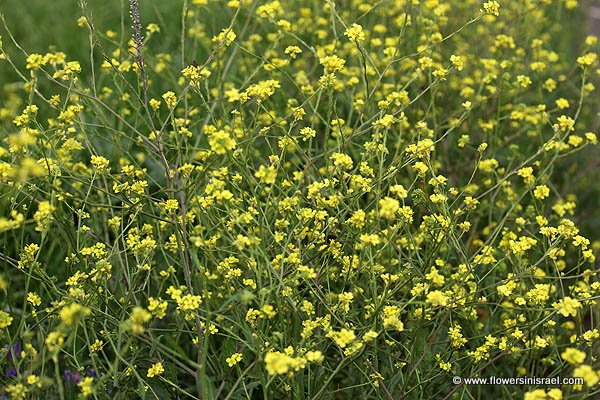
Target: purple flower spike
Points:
(16, 349)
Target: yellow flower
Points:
(157, 307)
(591, 137)
(422, 149)
(588, 374)
(34, 299)
(227, 36)
(388, 208)
(567, 306)
(155, 370)
(437, 298)
(527, 174)
(170, 99)
(385, 122)
(86, 386)
(100, 164)
(171, 206)
(458, 63)
(555, 394)
(268, 311)
(5, 320)
(154, 104)
(399, 191)
(81, 22)
(346, 299)
(357, 219)
(314, 356)
(355, 33)
(266, 174)
(342, 161)
(537, 394)
(16, 220)
(35, 61)
(234, 359)
(590, 336)
(406, 214)
(189, 302)
(97, 346)
(260, 90)
(573, 356)
(277, 363)
(343, 338)
(391, 318)
(564, 124)
(520, 246)
(370, 336)
(523, 81)
(435, 277)
(137, 319)
(152, 28)
(541, 192)
(70, 68)
(307, 133)
(195, 73)
(587, 59)
(370, 239)
(43, 215)
(492, 8)
(456, 337)
(292, 51)
(562, 103)
(54, 341)
(221, 141)
(332, 63)
(71, 314)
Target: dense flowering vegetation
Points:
(301, 200)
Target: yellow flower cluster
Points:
(278, 363)
(301, 200)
